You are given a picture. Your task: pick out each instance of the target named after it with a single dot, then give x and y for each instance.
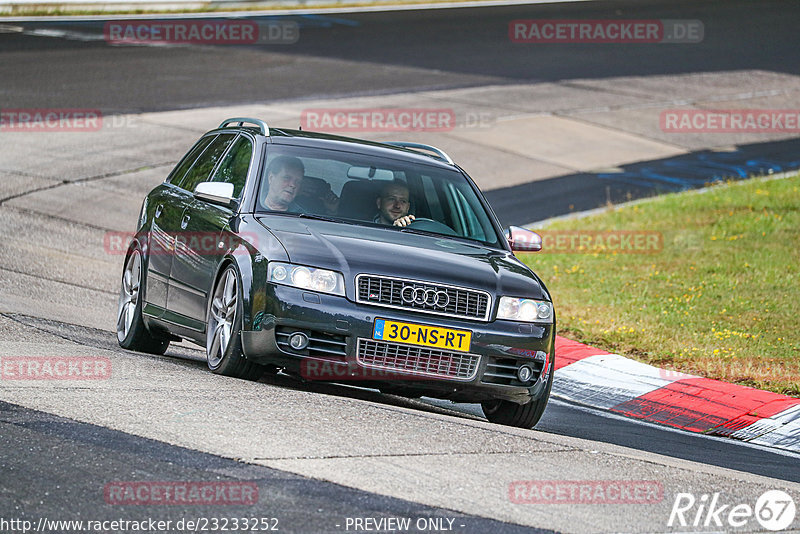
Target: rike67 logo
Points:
(774, 510)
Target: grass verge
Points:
(717, 296)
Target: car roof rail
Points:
(440, 154)
(241, 120)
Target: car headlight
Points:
(525, 310)
(303, 277)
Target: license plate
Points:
(422, 335)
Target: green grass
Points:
(721, 299)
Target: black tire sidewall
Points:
(139, 337)
(525, 415)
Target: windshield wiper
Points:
(314, 216)
(406, 229)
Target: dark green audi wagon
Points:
(343, 260)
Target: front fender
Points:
(251, 265)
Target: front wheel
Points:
(503, 412)
(223, 332)
(132, 333)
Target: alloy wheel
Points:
(129, 295)
(222, 318)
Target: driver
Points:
(393, 204)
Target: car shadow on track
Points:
(191, 356)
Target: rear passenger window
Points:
(179, 171)
(202, 168)
(234, 166)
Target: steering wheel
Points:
(429, 225)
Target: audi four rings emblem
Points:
(420, 296)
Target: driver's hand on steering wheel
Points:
(404, 220)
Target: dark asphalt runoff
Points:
(384, 52)
(62, 468)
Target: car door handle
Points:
(185, 222)
(159, 209)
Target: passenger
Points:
(284, 176)
(393, 204)
(317, 195)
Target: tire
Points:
(503, 412)
(224, 327)
(132, 334)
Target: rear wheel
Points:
(132, 333)
(503, 412)
(223, 332)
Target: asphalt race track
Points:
(367, 53)
(322, 455)
(68, 64)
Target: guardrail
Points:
(25, 7)
(11, 10)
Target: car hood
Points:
(352, 249)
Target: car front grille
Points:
(320, 344)
(417, 360)
(433, 298)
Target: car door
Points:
(204, 225)
(167, 202)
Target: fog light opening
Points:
(525, 373)
(298, 341)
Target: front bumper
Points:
(338, 327)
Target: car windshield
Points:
(361, 189)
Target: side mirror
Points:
(215, 192)
(523, 240)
